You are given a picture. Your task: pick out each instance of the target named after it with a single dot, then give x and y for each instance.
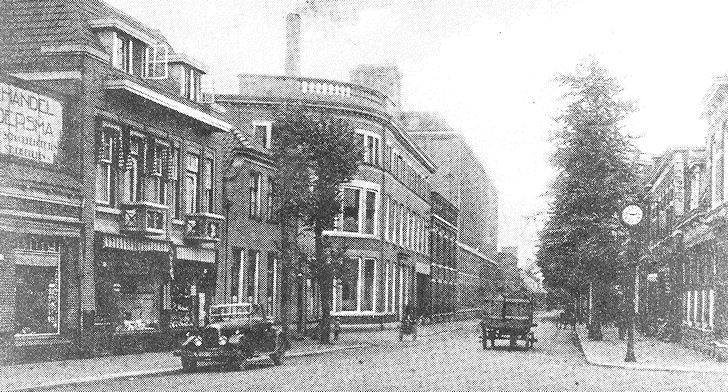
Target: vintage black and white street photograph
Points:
(350, 195)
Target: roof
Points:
(27, 26)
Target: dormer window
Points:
(262, 130)
(123, 53)
(192, 84)
(155, 62)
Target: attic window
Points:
(155, 62)
(123, 52)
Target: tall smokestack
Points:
(293, 45)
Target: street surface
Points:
(450, 361)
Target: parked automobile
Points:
(235, 334)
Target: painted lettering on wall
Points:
(30, 124)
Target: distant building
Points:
(444, 253)
(465, 182)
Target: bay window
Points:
(368, 288)
(369, 212)
(192, 175)
(350, 212)
(350, 285)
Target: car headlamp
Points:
(222, 340)
(198, 341)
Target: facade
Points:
(384, 218)
(465, 182)
(140, 145)
(40, 221)
(444, 253)
(674, 194)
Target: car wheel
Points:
(189, 365)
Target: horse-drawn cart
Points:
(508, 319)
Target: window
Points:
(133, 169)
(272, 202)
(123, 53)
(156, 62)
(349, 284)
(255, 195)
(192, 176)
(208, 188)
(251, 276)
(37, 289)
(370, 209)
(351, 210)
(387, 222)
(262, 133)
(270, 285)
(175, 183)
(106, 143)
(192, 83)
(392, 220)
(370, 143)
(156, 190)
(235, 275)
(368, 289)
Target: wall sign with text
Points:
(30, 124)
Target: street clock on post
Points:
(632, 215)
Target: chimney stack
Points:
(293, 44)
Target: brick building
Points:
(465, 182)
(140, 145)
(444, 253)
(674, 193)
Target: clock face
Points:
(632, 214)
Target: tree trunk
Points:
(324, 280)
(301, 326)
(285, 271)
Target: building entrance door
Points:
(423, 294)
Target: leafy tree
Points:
(324, 155)
(595, 165)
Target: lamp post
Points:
(632, 215)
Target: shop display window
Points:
(37, 302)
(138, 304)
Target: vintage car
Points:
(236, 333)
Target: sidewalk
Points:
(651, 354)
(78, 371)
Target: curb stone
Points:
(634, 366)
(168, 370)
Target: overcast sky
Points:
(487, 66)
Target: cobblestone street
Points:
(453, 360)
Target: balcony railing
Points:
(144, 218)
(203, 227)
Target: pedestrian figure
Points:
(409, 323)
(337, 328)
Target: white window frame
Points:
(128, 67)
(268, 131)
(151, 59)
(369, 158)
(196, 181)
(360, 288)
(362, 187)
(105, 127)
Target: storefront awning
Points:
(134, 244)
(195, 254)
